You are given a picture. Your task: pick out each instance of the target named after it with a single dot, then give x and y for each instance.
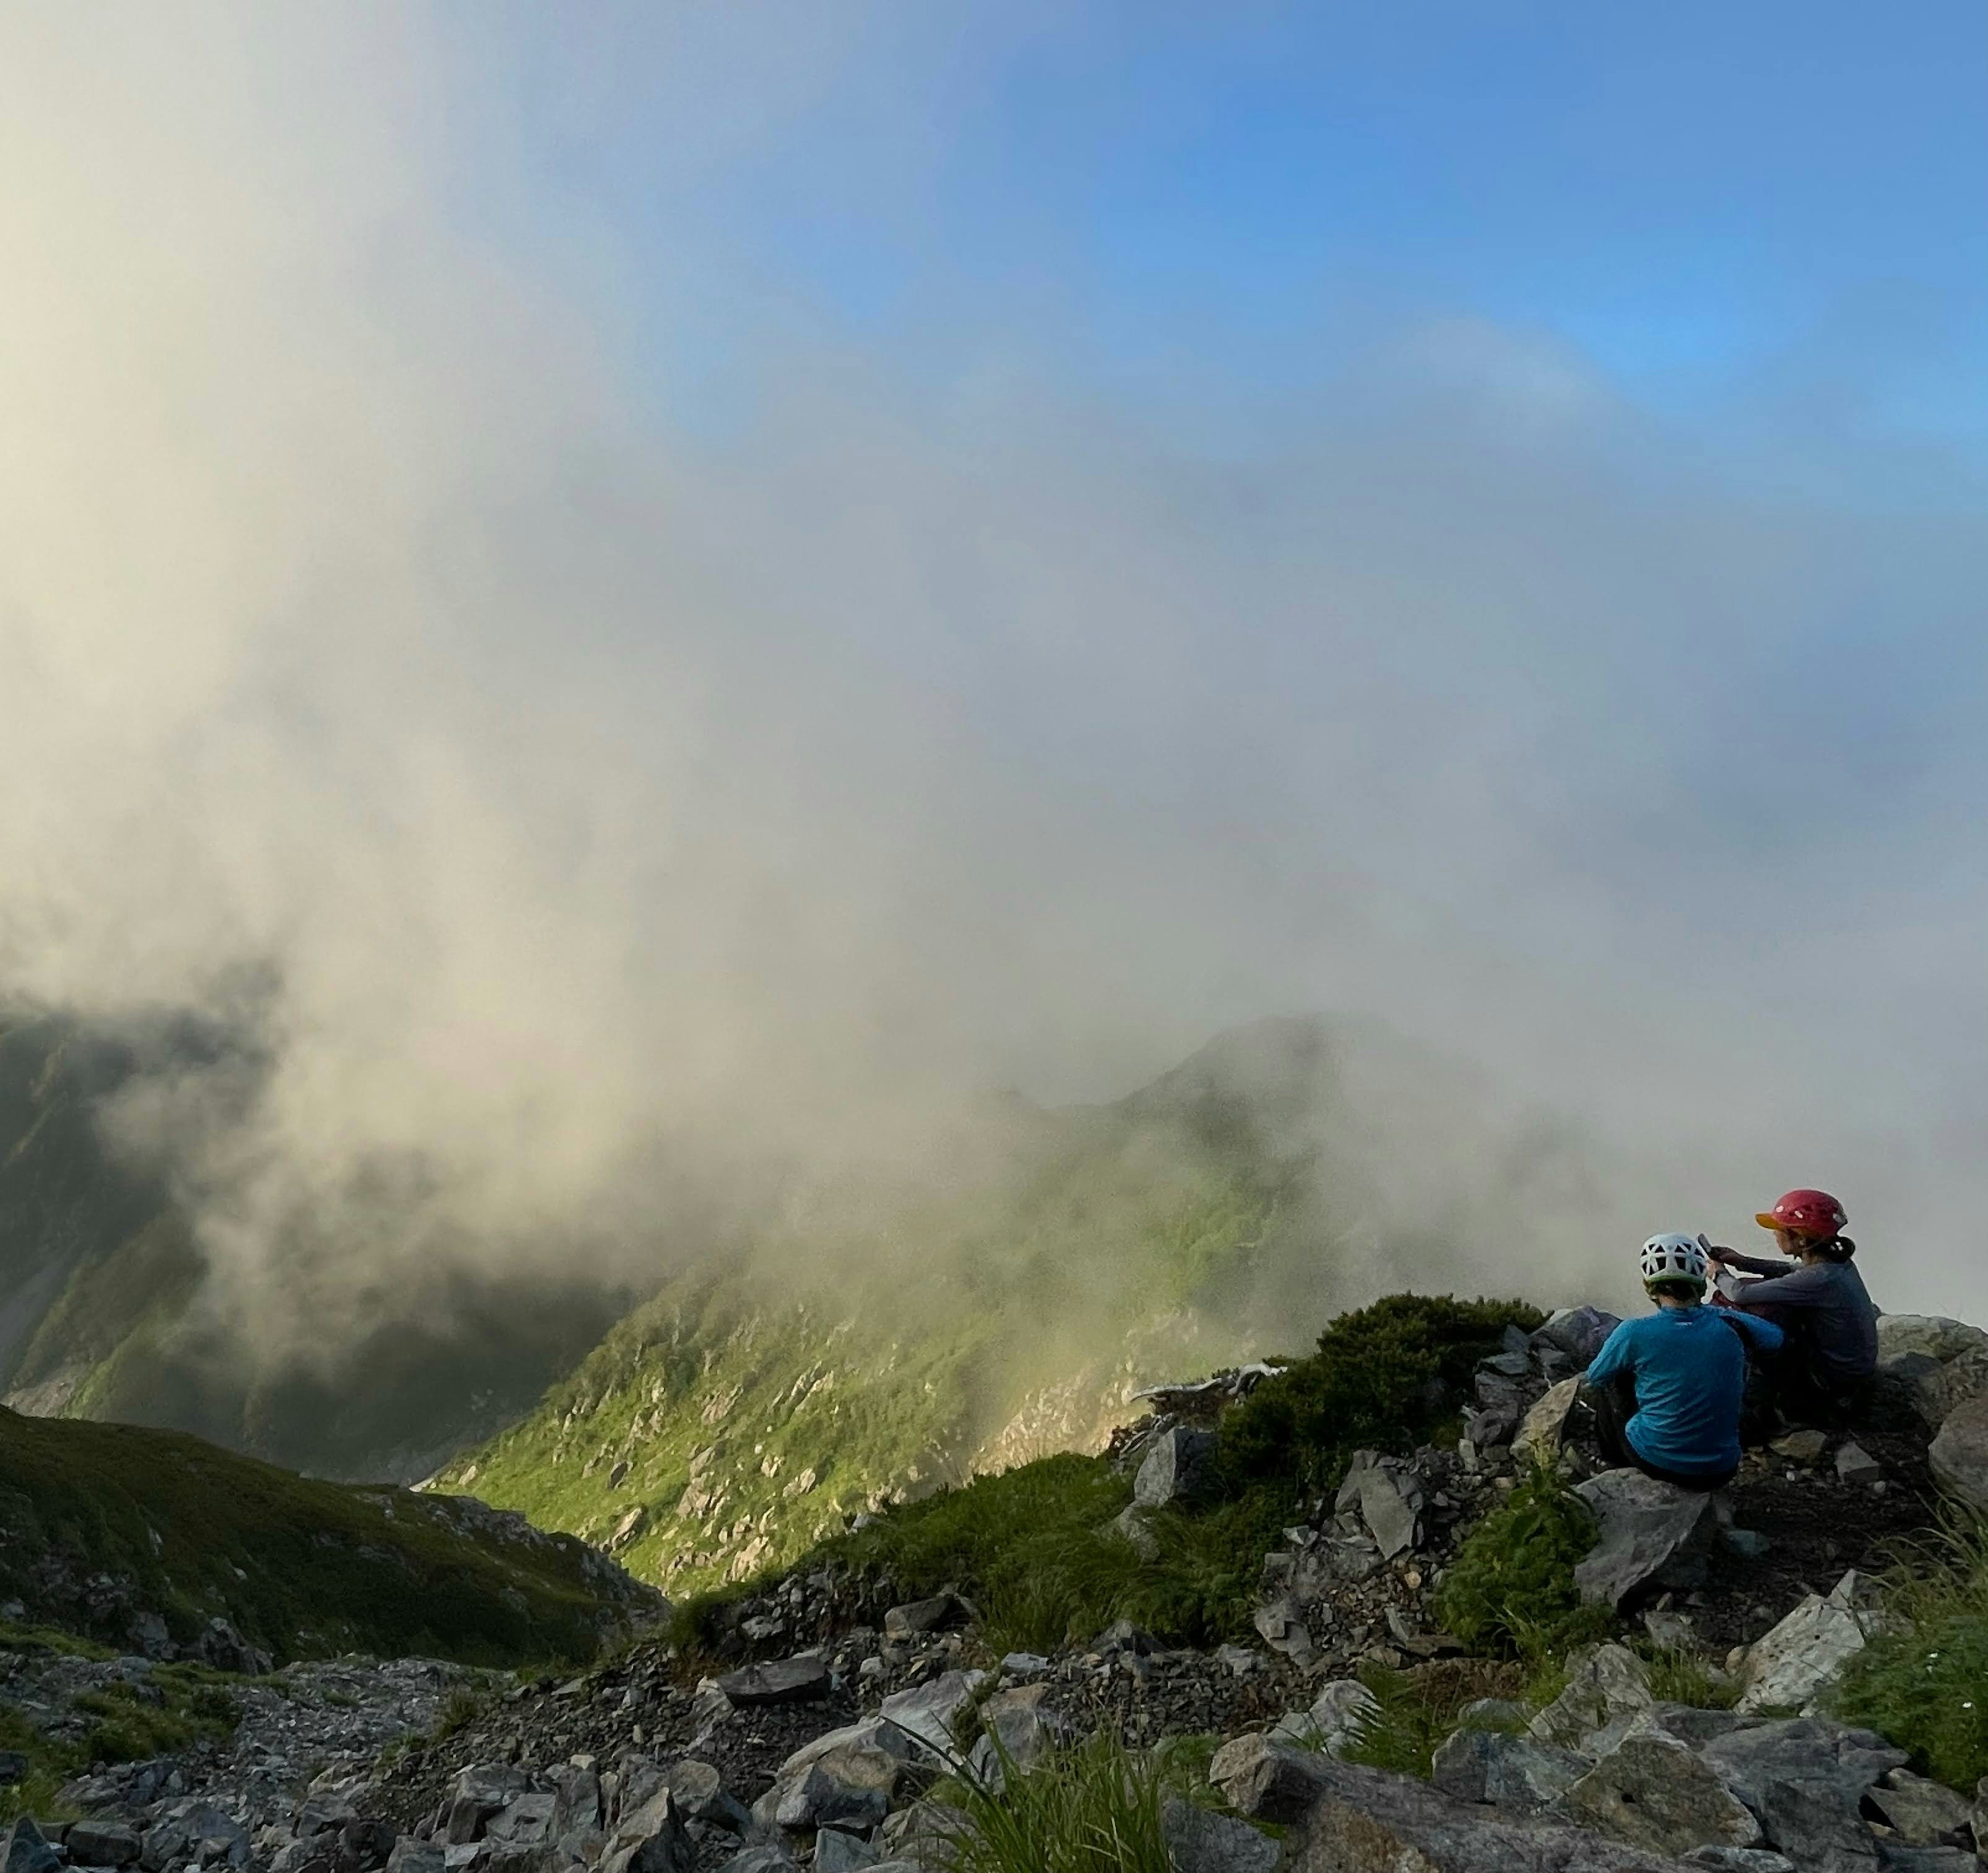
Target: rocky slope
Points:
(822, 1719)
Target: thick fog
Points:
(601, 793)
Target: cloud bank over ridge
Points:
(581, 800)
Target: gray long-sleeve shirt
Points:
(1839, 1320)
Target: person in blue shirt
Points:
(1666, 1389)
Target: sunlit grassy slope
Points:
(736, 1418)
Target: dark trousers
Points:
(1613, 1404)
(1795, 1386)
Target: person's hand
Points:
(1712, 1251)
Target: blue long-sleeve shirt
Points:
(1690, 1370)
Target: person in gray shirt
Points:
(1815, 1296)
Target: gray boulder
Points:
(412, 1856)
(1200, 1842)
(1604, 1683)
(1855, 1465)
(1806, 1779)
(103, 1844)
(1265, 1780)
(1655, 1793)
(1927, 1334)
(27, 1851)
(849, 1787)
(877, 1733)
(1959, 1455)
(700, 1794)
(1576, 1334)
(1922, 1814)
(767, 1857)
(1281, 1624)
(1129, 1525)
(1180, 1467)
(1388, 1498)
(780, 1681)
(1506, 1770)
(921, 1616)
(1805, 1653)
(1539, 1436)
(836, 1851)
(1912, 1385)
(929, 1712)
(1653, 1535)
(1740, 1859)
(1365, 1821)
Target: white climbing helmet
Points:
(1673, 1257)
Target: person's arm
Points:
(1765, 1337)
(1614, 1358)
(1765, 1267)
(1805, 1287)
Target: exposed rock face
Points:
(1653, 1535)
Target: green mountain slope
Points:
(101, 1283)
(736, 1418)
(103, 1524)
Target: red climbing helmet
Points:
(1809, 1213)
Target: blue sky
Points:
(1714, 205)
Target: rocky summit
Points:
(1699, 1691)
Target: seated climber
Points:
(1822, 1377)
(1666, 1389)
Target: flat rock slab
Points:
(781, 1681)
(1804, 1654)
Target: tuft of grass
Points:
(1383, 1378)
(1095, 1808)
(1679, 1677)
(1923, 1680)
(1511, 1588)
(1419, 1708)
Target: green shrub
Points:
(1032, 1550)
(1923, 1680)
(1383, 1378)
(1096, 1808)
(1511, 1588)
